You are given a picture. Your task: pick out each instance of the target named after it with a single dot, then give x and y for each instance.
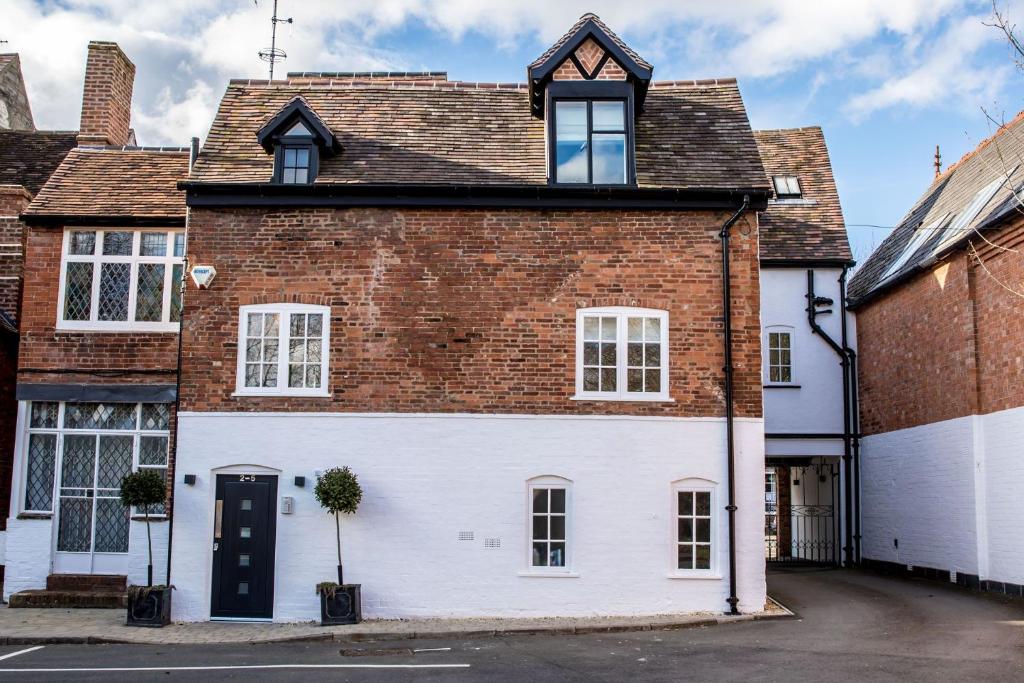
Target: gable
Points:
(15, 112)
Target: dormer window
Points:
(297, 137)
(590, 142)
(786, 187)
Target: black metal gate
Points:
(800, 524)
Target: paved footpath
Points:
(52, 626)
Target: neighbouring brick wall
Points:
(947, 343)
(13, 200)
(47, 355)
(471, 310)
(106, 96)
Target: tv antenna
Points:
(273, 53)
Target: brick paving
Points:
(43, 626)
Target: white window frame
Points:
(60, 431)
(695, 485)
(791, 331)
(622, 314)
(789, 182)
(549, 482)
(284, 331)
(169, 260)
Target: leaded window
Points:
(76, 455)
(283, 349)
(622, 353)
(122, 280)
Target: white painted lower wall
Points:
(30, 553)
(428, 477)
(951, 492)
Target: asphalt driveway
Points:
(851, 626)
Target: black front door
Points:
(243, 546)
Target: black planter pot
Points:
(150, 608)
(341, 608)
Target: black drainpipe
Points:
(729, 440)
(854, 416)
(812, 312)
(193, 153)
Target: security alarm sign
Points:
(203, 275)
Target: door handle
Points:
(218, 516)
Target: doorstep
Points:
(29, 626)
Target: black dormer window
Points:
(786, 187)
(297, 137)
(591, 141)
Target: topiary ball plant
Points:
(143, 489)
(338, 491)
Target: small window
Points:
(622, 354)
(295, 165)
(549, 520)
(591, 143)
(694, 531)
(121, 280)
(780, 356)
(786, 187)
(283, 350)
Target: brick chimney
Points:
(107, 96)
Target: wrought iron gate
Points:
(800, 524)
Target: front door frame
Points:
(249, 475)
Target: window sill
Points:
(124, 328)
(152, 518)
(548, 575)
(699, 576)
(35, 515)
(781, 386)
(660, 398)
(278, 394)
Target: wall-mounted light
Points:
(190, 480)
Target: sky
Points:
(887, 80)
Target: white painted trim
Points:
(766, 359)
(526, 574)
(621, 314)
(461, 416)
(549, 482)
(283, 310)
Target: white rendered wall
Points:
(1002, 490)
(917, 485)
(428, 477)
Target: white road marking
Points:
(224, 668)
(22, 652)
(433, 649)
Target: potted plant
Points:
(148, 605)
(338, 491)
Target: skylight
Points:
(960, 225)
(786, 186)
(915, 244)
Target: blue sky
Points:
(886, 79)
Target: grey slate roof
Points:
(28, 157)
(945, 200)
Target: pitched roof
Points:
(945, 211)
(115, 182)
(692, 135)
(810, 228)
(28, 157)
(576, 27)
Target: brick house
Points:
(809, 395)
(939, 315)
(503, 306)
(97, 365)
(27, 158)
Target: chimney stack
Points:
(107, 96)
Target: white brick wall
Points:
(952, 492)
(426, 478)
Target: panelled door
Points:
(243, 546)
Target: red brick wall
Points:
(589, 55)
(470, 311)
(80, 357)
(106, 96)
(948, 343)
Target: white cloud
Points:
(185, 50)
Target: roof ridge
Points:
(131, 148)
(328, 83)
(727, 80)
(1003, 127)
(785, 130)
